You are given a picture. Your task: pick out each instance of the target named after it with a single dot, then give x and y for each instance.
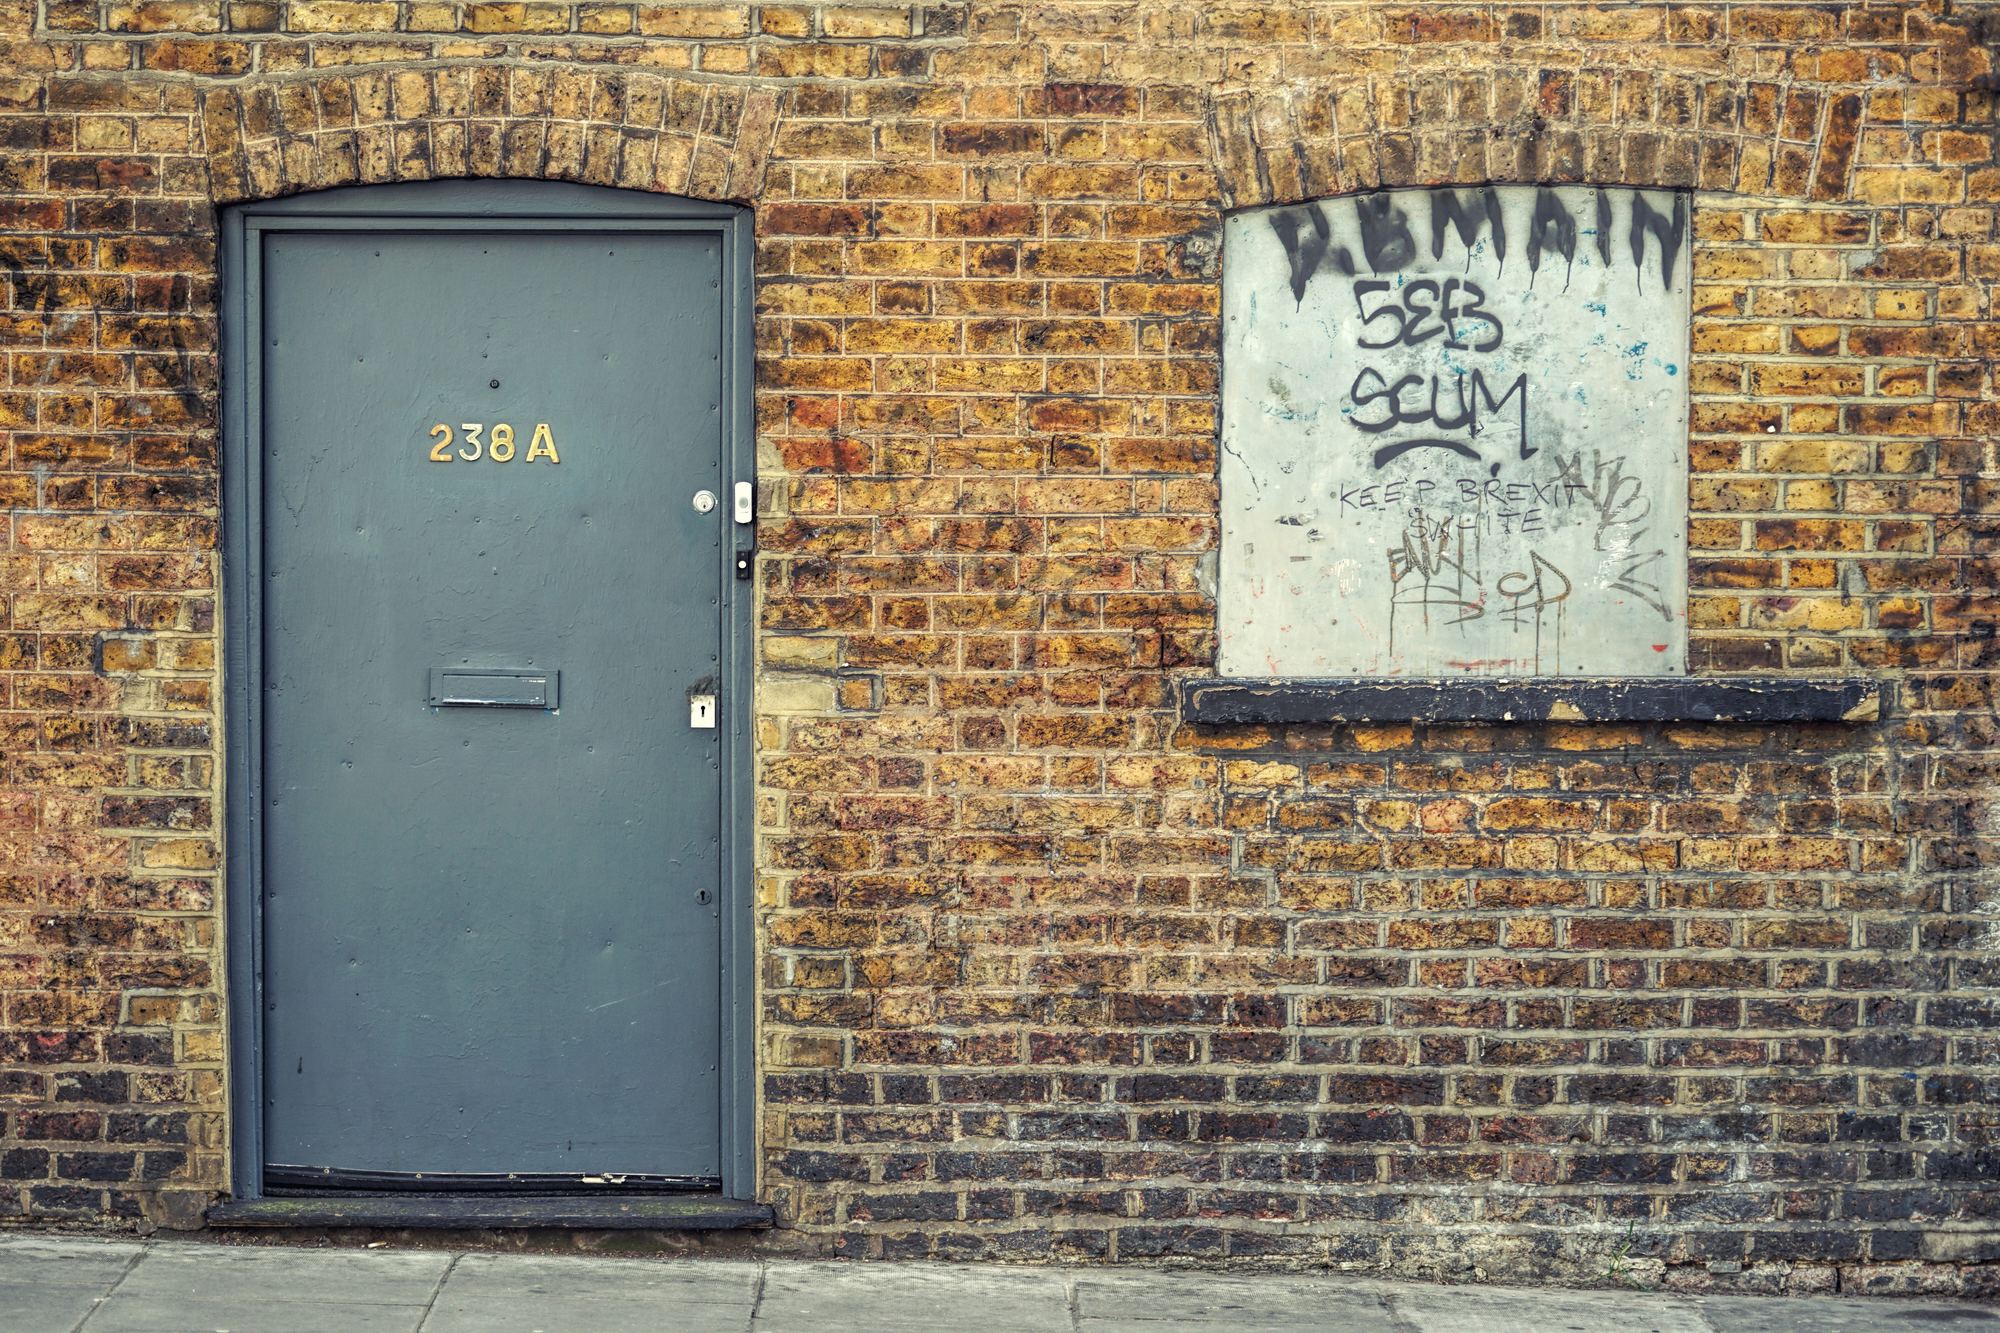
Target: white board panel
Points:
(1454, 435)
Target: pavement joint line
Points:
(757, 1293)
(145, 1248)
(438, 1290)
(1069, 1297)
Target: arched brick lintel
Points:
(285, 135)
(1745, 137)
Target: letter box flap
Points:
(467, 687)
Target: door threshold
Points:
(458, 1212)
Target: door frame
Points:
(472, 206)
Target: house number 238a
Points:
(495, 442)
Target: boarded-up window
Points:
(1455, 435)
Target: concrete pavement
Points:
(73, 1284)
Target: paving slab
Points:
(190, 1287)
(833, 1297)
(54, 1281)
(1514, 1309)
(201, 1315)
(79, 1261)
(1154, 1302)
(503, 1293)
(692, 1281)
(33, 1308)
(585, 1316)
(286, 1273)
(1843, 1314)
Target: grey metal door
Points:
(491, 838)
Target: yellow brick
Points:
(694, 20)
(856, 21)
(165, 16)
(517, 16)
(341, 16)
(605, 19)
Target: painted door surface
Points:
(490, 932)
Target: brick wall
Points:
(1046, 973)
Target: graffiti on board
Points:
(1454, 434)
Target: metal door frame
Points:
(471, 206)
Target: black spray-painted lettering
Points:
(1388, 495)
(1388, 247)
(1449, 302)
(1505, 498)
(1550, 493)
(1669, 233)
(1551, 228)
(1385, 232)
(1305, 249)
(1371, 387)
(1448, 207)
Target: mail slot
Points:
(464, 687)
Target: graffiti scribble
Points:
(1615, 496)
(1633, 578)
(1531, 593)
(1425, 571)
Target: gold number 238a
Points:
(497, 444)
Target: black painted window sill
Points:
(1216, 702)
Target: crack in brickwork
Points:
(1045, 973)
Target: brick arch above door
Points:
(278, 136)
